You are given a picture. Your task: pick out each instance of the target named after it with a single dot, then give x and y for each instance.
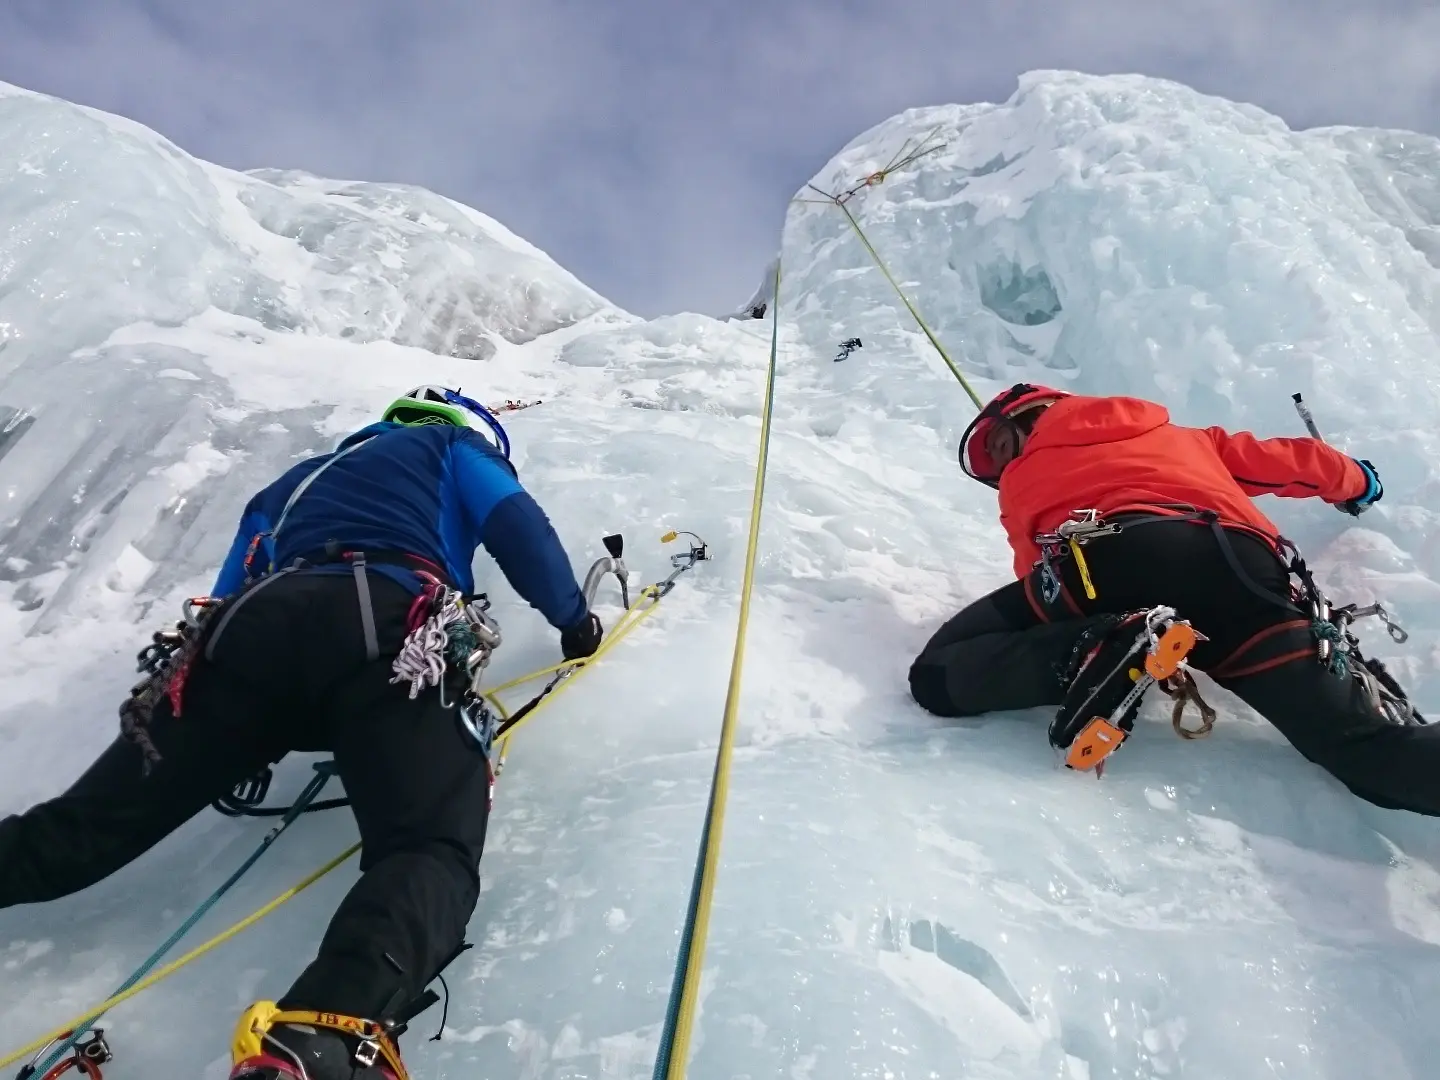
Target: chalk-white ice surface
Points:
(900, 898)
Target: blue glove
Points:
(1372, 494)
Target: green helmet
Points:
(439, 405)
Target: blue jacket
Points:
(436, 491)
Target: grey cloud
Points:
(649, 146)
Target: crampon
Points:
(1113, 664)
(84, 1059)
(276, 1044)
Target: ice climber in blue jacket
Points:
(333, 565)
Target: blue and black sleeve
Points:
(519, 537)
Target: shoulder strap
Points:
(304, 485)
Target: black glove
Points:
(1372, 494)
(582, 639)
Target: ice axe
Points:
(612, 564)
(1304, 411)
(1351, 508)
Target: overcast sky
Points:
(651, 145)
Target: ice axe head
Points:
(615, 545)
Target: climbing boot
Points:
(290, 1044)
(1111, 666)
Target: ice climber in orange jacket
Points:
(1171, 523)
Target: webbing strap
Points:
(1222, 538)
(228, 612)
(367, 609)
(1228, 550)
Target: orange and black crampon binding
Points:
(1111, 669)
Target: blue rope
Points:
(323, 771)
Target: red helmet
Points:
(1022, 397)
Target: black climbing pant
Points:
(289, 672)
(1006, 649)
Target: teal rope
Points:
(460, 642)
(682, 960)
(1339, 663)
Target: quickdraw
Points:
(1338, 650)
(1079, 530)
(455, 631)
(514, 406)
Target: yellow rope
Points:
(175, 965)
(634, 615)
(924, 326)
(689, 996)
(879, 176)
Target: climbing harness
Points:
(848, 346)
(458, 630)
(1331, 640)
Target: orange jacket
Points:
(1114, 453)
